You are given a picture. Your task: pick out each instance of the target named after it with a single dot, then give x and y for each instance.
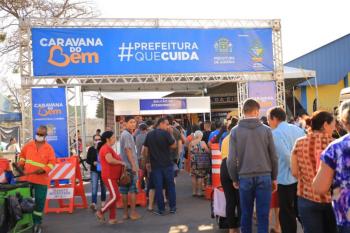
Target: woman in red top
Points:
(111, 165)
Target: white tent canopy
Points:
(134, 95)
(295, 73)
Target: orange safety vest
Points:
(33, 159)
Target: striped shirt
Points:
(308, 150)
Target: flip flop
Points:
(135, 218)
(100, 217)
(115, 222)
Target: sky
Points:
(306, 24)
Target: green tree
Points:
(99, 110)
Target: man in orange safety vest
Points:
(37, 158)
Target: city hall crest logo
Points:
(223, 45)
(257, 52)
(223, 52)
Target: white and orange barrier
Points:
(66, 169)
(216, 160)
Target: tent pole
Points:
(76, 120)
(203, 94)
(316, 93)
(82, 120)
(293, 102)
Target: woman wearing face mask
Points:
(111, 165)
(92, 160)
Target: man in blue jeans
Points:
(252, 164)
(157, 152)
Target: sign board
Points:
(132, 51)
(49, 108)
(223, 99)
(162, 106)
(264, 93)
(59, 193)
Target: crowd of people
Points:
(269, 167)
(298, 170)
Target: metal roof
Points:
(331, 61)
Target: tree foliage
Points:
(12, 11)
(99, 110)
(14, 94)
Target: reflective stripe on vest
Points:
(38, 213)
(41, 165)
(51, 166)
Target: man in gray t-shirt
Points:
(129, 156)
(140, 139)
(127, 142)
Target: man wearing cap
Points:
(37, 158)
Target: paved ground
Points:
(193, 216)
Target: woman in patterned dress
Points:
(197, 146)
(334, 173)
(315, 210)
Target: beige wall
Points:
(91, 126)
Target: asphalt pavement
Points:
(193, 215)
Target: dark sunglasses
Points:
(41, 135)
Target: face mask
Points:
(39, 138)
(96, 143)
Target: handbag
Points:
(202, 159)
(125, 178)
(219, 205)
(218, 208)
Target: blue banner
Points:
(132, 51)
(162, 104)
(49, 108)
